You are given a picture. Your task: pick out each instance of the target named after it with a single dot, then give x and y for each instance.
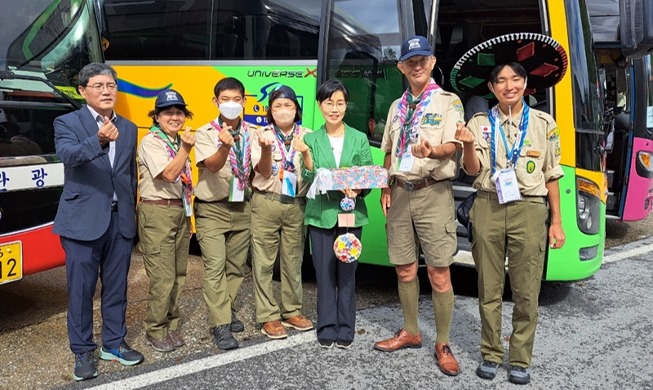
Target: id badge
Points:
(289, 184)
(346, 220)
(235, 193)
(507, 186)
(406, 162)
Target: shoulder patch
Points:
(553, 134)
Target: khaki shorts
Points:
(424, 218)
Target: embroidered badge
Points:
(275, 169)
(486, 132)
(458, 105)
(557, 150)
(553, 135)
(527, 143)
(431, 119)
(395, 118)
(533, 153)
(530, 166)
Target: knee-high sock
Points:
(443, 310)
(409, 296)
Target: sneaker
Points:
(84, 366)
(343, 344)
(299, 322)
(274, 330)
(519, 375)
(325, 343)
(162, 345)
(123, 354)
(236, 325)
(487, 369)
(176, 338)
(223, 337)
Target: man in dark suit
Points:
(96, 217)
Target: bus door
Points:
(637, 199)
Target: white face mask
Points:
(284, 117)
(230, 110)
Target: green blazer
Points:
(323, 211)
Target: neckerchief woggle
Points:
(512, 155)
(239, 157)
(287, 151)
(185, 176)
(410, 125)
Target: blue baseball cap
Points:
(415, 46)
(169, 98)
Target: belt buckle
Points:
(409, 186)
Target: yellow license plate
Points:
(11, 262)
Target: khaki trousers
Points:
(223, 232)
(517, 230)
(164, 237)
(277, 228)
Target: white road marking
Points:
(207, 363)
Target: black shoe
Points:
(325, 343)
(487, 369)
(519, 375)
(236, 325)
(84, 366)
(123, 354)
(223, 337)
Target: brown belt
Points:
(164, 202)
(414, 185)
(285, 199)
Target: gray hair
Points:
(95, 69)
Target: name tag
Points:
(235, 193)
(507, 186)
(289, 184)
(533, 153)
(406, 161)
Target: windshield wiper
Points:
(9, 75)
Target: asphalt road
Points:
(599, 320)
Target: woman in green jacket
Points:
(334, 145)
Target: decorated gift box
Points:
(358, 178)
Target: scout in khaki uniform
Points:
(514, 152)
(419, 144)
(278, 216)
(163, 216)
(222, 209)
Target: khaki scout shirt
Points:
(152, 158)
(273, 183)
(213, 186)
(438, 125)
(539, 160)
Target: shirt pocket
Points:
(530, 165)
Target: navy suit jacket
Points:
(84, 209)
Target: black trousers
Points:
(336, 283)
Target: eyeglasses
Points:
(100, 87)
(328, 104)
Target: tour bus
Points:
(626, 76)
(42, 47)
(189, 46)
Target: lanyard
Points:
(512, 155)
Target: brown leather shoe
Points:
(161, 345)
(401, 339)
(446, 361)
(274, 330)
(298, 322)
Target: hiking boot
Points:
(519, 375)
(162, 345)
(176, 338)
(487, 369)
(123, 354)
(236, 325)
(274, 330)
(223, 337)
(299, 322)
(84, 366)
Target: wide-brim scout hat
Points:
(543, 57)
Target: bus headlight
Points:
(588, 206)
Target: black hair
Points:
(515, 66)
(152, 114)
(328, 88)
(229, 83)
(95, 69)
(279, 94)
